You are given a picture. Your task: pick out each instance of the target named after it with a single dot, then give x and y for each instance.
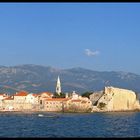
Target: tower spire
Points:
(58, 86)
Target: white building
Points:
(75, 95)
(32, 98)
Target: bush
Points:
(86, 94)
(62, 95)
(101, 105)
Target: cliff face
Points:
(95, 97)
(116, 99)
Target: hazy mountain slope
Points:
(36, 78)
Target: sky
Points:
(96, 36)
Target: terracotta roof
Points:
(57, 99)
(76, 100)
(35, 94)
(21, 93)
(8, 98)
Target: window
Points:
(41, 102)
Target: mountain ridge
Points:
(39, 78)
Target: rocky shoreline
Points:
(95, 111)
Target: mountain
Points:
(36, 78)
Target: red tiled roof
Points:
(76, 100)
(8, 98)
(21, 93)
(57, 99)
(35, 95)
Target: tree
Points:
(101, 105)
(86, 94)
(62, 95)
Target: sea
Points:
(69, 125)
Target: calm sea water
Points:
(119, 124)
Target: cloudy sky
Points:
(97, 36)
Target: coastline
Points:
(39, 111)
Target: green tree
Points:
(101, 105)
(62, 95)
(86, 94)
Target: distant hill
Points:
(36, 78)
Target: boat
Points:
(48, 116)
(40, 115)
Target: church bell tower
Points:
(58, 86)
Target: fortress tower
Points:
(58, 86)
